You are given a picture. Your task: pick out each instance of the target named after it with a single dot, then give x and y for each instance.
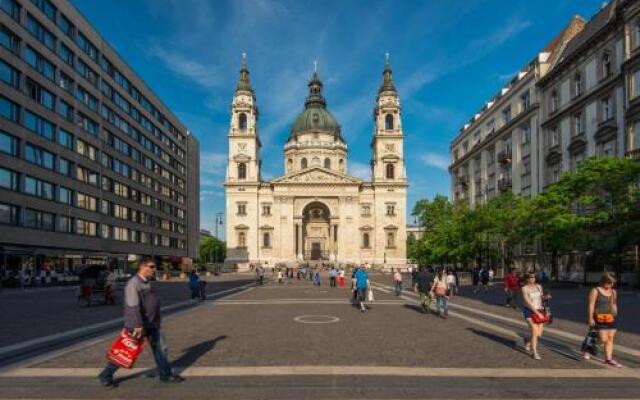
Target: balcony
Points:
(504, 157)
(504, 184)
(633, 154)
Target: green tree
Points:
(212, 249)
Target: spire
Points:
(243, 82)
(387, 79)
(315, 98)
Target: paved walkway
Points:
(296, 341)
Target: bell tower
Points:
(244, 144)
(388, 140)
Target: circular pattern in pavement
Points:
(316, 319)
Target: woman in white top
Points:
(440, 289)
(451, 283)
(397, 282)
(534, 313)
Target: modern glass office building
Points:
(92, 164)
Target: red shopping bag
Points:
(125, 350)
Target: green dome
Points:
(315, 116)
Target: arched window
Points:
(242, 239)
(242, 121)
(390, 171)
(327, 163)
(266, 240)
(365, 240)
(303, 163)
(242, 171)
(289, 164)
(388, 122)
(606, 64)
(341, 165)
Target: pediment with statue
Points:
(317, 175)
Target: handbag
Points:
(544, 317)
(125, 350)
(370, 295)
(604, 318)
(590, 342)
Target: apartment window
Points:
(391, 210)
(123, 191)
(87, 124)
(121, 234)
(9, 144)
(525, 100)
(38, 188)
(86, 228)
(526, 165)
(242, 171)
(9, 40)
(9, 110)
(366, 240)
(266, 240)
(242, 209)
(120, 167)
(87, 99)
(636, 83)
(491, 126)
(491, 156)
(65, 54)
(388, 122)
(39, 63)
(465, 148)
(476, 138)
(366, 210)
(266, 210)
(9, 75)
(634, 142)
(47, 8)
(122, 212)
(40, 94)
(390, 171)
(41, 33)
(554, 101)
(8, 213)
(456, 155)
(87, 72)
(64, 224)
(607, 108)
(65, 26)
(636, 33)
(506, 115)
(577, 123)
(38, 125)
(65, 82)
(87, 202)
(64, 166)
(106, 160)
(38, 156)
(554, 137)
(606, 65)
(577, 84)
(38, 220)
(242, 239)
(65, 195)
(526, 134)
(8, 179)
(11, 7)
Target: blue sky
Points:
(448, 58)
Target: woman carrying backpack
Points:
(603, 312)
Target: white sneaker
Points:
(586, 355)
(527, 345)
(536, 356)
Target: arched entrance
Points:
(316, 231)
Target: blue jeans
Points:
(398, 288)
(159, 350)
(442, 302)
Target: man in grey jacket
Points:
(142, 320)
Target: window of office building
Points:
(65, 195)
(64, 224)
(64, 166)
(39, 156)
(11, 7)
(8, 214)
(47, 8)
(38, 125)
(8, 179)
(9, 144)
(38, 188)
(40, 94)
(35, 219)
(9, 75)
(9, 110)
(65, 25)
(39, 63)
(86, 228)
(41, 33)
(87, 202)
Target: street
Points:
(297, 341)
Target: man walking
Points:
(362, 284)
(397, 282)
(511, 287)
(423, 287)
(333, 274)
(142, 321)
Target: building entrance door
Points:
(316, 251)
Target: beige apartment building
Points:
(316, 212)
(575, 99)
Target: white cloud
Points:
(359, 170)
(207, 76)
(435, 160)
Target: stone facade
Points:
(316, 211)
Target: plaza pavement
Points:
(295, 341)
